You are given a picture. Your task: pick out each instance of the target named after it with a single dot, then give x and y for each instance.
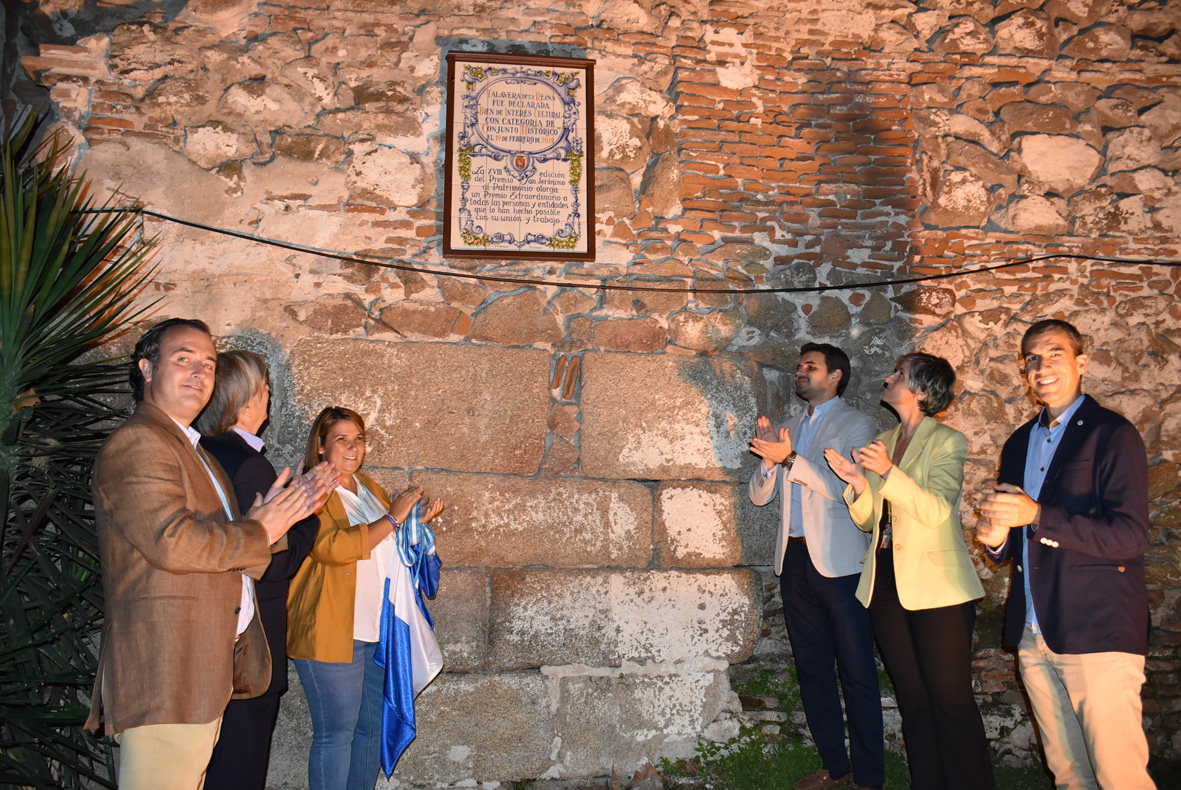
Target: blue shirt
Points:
(801, 442)
(1043, 443)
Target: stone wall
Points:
(603, 568)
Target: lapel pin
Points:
(1080, 422)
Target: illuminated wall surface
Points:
(604, 576)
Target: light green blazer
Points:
(932, 566)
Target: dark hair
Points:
(933, 375)
(1050, 324)
(330, 416)
(240, 375)
(148, 348)
(834, 359)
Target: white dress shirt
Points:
(364, 507)
(246, 610)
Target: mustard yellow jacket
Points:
(932, 566)
(324, 590)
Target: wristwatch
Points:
(791, 459)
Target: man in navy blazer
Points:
(1071, 509)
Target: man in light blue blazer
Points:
(818, 558)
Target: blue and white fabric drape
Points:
(407, 648)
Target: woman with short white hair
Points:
(231, 423)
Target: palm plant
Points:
(68, 279)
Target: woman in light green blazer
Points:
(918, 581)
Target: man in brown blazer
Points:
(180, 634)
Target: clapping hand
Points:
(990, 534)
(428, 509)
(874, 457)
(413, 497)
(282, 506)
(319, 482)
(1006, 507)
(403, 502)
(772, 446)
(851, 472)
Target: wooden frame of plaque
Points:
(519, 181)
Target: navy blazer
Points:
(1087, 555)
(251, 473)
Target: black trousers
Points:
(830, 632)
(928, 653)
(243, 749)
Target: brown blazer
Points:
(172, 577)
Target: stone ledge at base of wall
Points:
(554, 724)
(1007, 724)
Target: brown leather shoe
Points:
(822, 779)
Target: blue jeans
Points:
(345, 702)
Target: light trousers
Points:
(1088, 711)
(166, 756)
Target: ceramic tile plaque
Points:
(520, 172)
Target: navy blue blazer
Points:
(251, 473)
(1087, 556)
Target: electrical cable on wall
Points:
(632, 287)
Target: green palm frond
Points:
(69, 278)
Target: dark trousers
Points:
(243, 749)
(928, 653)
(829, 631)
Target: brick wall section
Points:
(741, 144)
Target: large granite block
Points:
(757, 528)
(665, 417)
(618, 721)
(560, 522)
(490, 727)
(433, 405)
(460, 612)
(481, 727)
(697, 525)
(604, 618)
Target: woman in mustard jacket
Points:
(918, 581)
(334, 607)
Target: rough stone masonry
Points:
(603, 571)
